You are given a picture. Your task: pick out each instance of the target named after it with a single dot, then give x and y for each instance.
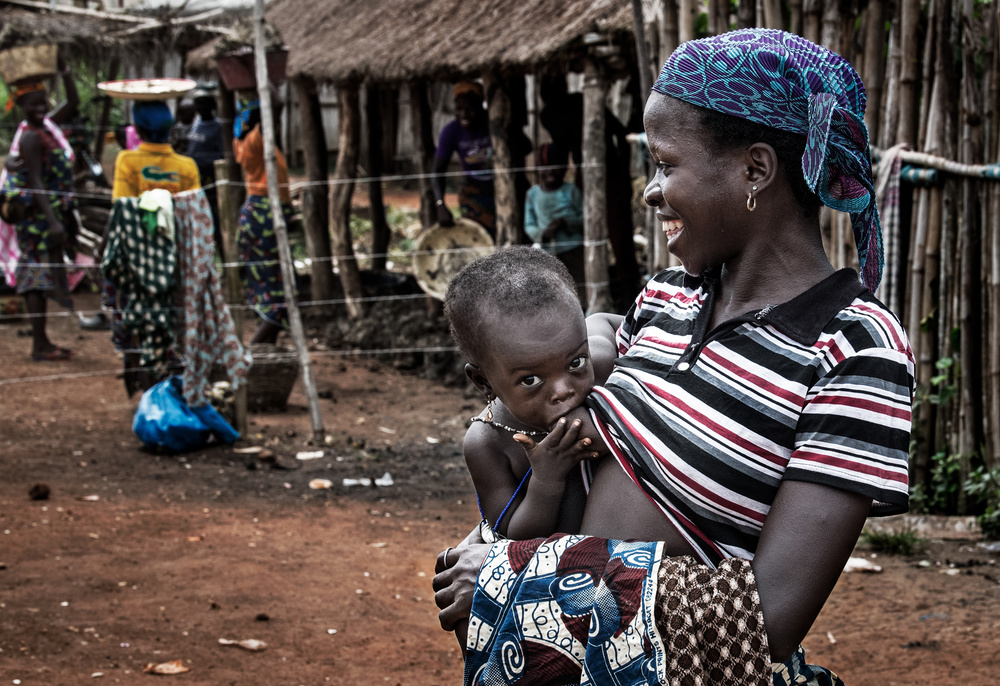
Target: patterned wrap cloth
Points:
(141, 266)
(24, 251)
(257, 244)
(580, 609)
(209, 335)
(786, 82)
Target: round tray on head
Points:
(147, 89)
(441, 251)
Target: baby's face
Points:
(539, 365)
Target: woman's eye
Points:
(530, 381)
(578, 362)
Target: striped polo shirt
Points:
(709, 423)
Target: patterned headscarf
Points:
(15, 91)
(244, 113)
(786, 82)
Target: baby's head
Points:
(516, 317)
(555, 158)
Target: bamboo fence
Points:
(932, 72)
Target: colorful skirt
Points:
(258, 250)
(476, 202)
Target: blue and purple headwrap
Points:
(244, 111)
(154, 118)
(786, 82)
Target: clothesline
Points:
(335, 258)
(300, 185)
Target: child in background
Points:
(515, 316)
(553, 212)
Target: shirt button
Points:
(683, 367)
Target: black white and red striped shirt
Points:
(709, 423)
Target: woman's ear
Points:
(476, 376)
(761, 165)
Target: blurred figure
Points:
(204, 146)
(469, 136)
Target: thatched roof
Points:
(97, 37)
(393, 40)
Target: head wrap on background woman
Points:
(786, 82)
(154, 118)
(244, 112)
(16, 90)
(466, 88)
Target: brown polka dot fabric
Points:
(711, 624)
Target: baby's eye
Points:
(578, 362)
(530, 381)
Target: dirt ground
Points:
(138, 558)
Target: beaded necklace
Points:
(498, 425)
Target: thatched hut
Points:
(385, 45)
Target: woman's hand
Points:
(455, 585)
(444, 215)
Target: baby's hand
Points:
(555, 455)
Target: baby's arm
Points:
(553, 460)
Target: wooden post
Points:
(380, 227)
(280, 230)
(102, 122)
(773, 18)
(686, 15)
(315, 211)
(231, 276)
(504, 191)
(874, 65)
(595, 222)
(909, 70)
(423, 139)
(340, 198)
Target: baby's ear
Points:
(476, 376)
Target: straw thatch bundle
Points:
(388, 40)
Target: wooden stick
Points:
(595, 220)
(231, 275)
(280, 230)
(68, 9)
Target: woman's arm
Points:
(437, 185)
(65, 111)
(808, 536)
(31, 152)
(602, 332)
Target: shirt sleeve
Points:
(531, 227)
(573, 212)
(447, 142)
(854, 431)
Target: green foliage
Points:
(905, 542)
(983, 486)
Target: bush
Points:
(905, 542)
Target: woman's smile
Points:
(672, 228)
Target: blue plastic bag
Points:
(164, 420)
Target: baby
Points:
(515, 316)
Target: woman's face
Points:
(35, 106)
(698, 191)
(539, 365)
(468, 109)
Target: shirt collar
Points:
(155, 147)
(804, 317)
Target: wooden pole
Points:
(686, 15)
(909, 70)
(423, 139)
(340, 198)
(280, 230)
(773, 18)
(231, 276)
(315, 211)
(874, 65)
(504, 191)
(595, 222)
(376, 203)
(102, 121)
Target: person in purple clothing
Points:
(469, 136)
